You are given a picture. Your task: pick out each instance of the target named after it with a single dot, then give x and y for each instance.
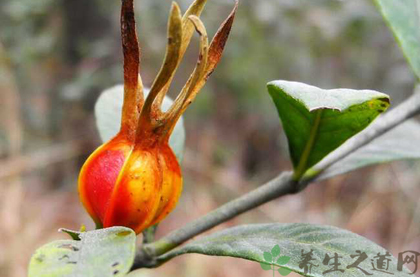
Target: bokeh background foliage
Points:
(57, 56)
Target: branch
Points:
(148, 256)
(279, 186)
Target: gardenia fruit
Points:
(134, 180)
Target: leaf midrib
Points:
(303, 161)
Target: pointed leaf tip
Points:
(317, 121)
(404, 18)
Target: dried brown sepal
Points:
(201, 65)
(195, 9)
(198, 74)
(187, 32)
(136, 183)
(218, 43)
(170, 62)
(133, 89)
(214, 55)
(179, 36)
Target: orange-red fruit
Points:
(133, 186)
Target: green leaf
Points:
(317, 121)
(283, 260)
(73, 234)
(250, 241)
(108, 118)
(284, 271)
(276, 250)
(265, 266)
(397, 144)
(104, 252)
(267, 257)
(404, 19)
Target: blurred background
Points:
(57, 56)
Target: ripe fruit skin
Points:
(171, 183)
(99, 175)
(135, 180)
(133, 186)
(145, 188)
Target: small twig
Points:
(279, 186)
(149, 234)
(148, 256)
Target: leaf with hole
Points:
(108, 118)
(404, 19)
(251, 241)
(105, 252)
(317, 121)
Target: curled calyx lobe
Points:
(134, 180)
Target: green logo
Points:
(273, 264)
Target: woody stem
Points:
(158, 252)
